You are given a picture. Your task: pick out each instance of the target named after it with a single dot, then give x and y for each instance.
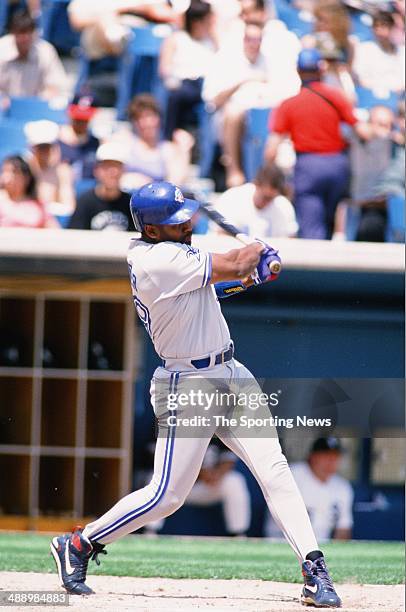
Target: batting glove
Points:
(269, 266)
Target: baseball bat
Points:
(213, 214)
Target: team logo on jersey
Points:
(192, 251)
(179, 196)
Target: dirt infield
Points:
(146, 594)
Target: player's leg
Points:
(176, 466)
(264, 458)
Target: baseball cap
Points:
(111, 151)
(326, 444)
(83, 107)
(41, 132)
(309, 59)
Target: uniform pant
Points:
(320, 182)
(178, 459)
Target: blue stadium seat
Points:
(34, 109)
(361, 26)
(12, 138)
(138, 66)
(366, 98)
(84, 185)
(296, 21)
(255, 137)
(396, 218)
(56, 27)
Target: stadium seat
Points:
(367, 98)
(361, 26)
(138, 65)
(12, 138)
(298, 22)
(35, 109)
(255, 136)
(56, 28)
(396, 218)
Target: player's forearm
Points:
(237, 264)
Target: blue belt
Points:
(223, 357)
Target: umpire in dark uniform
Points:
(312, 120)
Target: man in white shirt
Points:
(380, 64)
(260, 208)
(328, 497)
(29, 66)
(235, 82)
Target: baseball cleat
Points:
(318, 590)
(71, 553)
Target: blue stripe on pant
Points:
(163, 484)
(320, 182)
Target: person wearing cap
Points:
(29, 66)
(106, 207)
(312, 120)
(327, 495)
(54, 180)
(77, 144)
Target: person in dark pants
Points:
(312, 120)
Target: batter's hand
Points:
(269, 266)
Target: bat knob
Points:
(275, 267)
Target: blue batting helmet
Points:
(161, 203)
(309, 59)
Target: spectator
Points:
(260, 208)
(379, 64)
(185, 56)
(219, 482)
(332, 38)
(328, 497)
(106, 207)
(383, 176)
(19, 205)
(149, 157)
(322, 171)
(77, 144)
(54, 180)
(234, 84)
(106, 25)
(29, 66)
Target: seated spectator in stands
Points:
(378, 173)
(19, 205)
(183, 63)
(327, 495)
(54, 180)
(77, 144)
(260, 208)
(106, 25)
(29, 66)
(218, 481)
(232, 86)
(149, 158)
(332, 38)
(380, 64)
(312, 120)
(106, 207)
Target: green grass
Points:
(171, 557)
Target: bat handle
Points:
(244, 239)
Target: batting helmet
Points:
(161, 203)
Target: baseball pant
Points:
(179, 456)
(321, 181)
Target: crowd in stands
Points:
(329, 74)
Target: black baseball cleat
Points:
(318, 590)
(72, 553)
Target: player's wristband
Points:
(229, 288)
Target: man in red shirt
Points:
(312, 120)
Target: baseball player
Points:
(175, 289)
